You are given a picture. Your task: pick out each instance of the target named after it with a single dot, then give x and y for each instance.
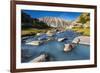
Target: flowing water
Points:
(54, 48)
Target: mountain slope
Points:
(55, 22)
(83, 20)
(28, 22)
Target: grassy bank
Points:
(32, 31)
(83, 31)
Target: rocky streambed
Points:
(53, 46)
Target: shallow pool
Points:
(55, 51)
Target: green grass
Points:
(83, 31)
(32, 31)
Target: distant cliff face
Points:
(55, 22)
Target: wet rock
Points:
(69, 47)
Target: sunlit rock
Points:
(61, 39)
(76, 40)
(49, 33)
(34, 43)
(38, 34)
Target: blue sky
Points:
(64, 15)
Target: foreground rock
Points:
(41, 58)
(69, 47)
